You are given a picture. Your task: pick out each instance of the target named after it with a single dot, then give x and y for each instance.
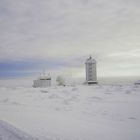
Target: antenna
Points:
(44, 72)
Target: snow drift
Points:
(99, 112)
(8, 132)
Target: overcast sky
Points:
(59, 35)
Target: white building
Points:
(91, 75)
(43, 81)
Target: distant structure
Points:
(43, 81)
(91, 76)
(137, 83)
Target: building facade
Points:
(91, 74)
(42, 82)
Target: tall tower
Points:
(91, 76)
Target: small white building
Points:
(91, 74)
(43, 81)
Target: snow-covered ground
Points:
(100, 112)
(9, 132)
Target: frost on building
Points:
(43, 81)
(91, 75)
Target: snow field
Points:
(108, 112)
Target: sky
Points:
(59, 35)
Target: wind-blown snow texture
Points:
(8, 132)
(100, 112)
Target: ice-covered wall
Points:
(42, 83)
(91, 76)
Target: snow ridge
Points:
(8, 132)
